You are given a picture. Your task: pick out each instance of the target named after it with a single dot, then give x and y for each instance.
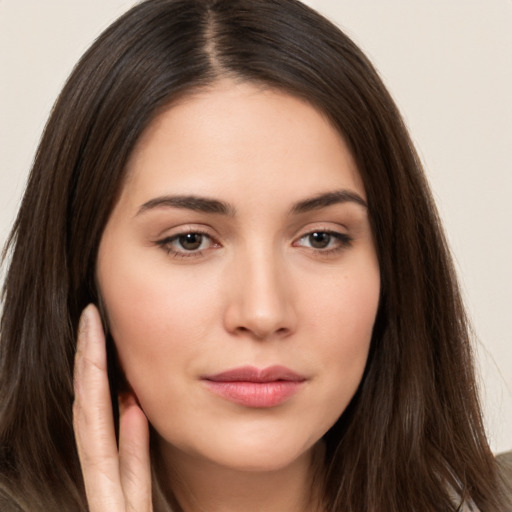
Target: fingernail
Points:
(84, 322)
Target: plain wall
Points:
(448, 66)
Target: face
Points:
(240, 277)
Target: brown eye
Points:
(319, 240)
(324, 242)
(190, 241)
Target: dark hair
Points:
(412, 437)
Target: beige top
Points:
(505, 464)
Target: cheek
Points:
(343, 311)
(157, 318)
(342, 320)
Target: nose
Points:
(261, 301)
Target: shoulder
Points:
(504, 467)
(504, 462)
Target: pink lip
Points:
(254, 387)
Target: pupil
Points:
(319, 240)
(191, 241)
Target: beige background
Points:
(447, 63)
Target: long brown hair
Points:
(412, 437)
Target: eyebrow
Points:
(190, 202)
(328, 199)
(209, 205)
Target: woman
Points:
(232, 186)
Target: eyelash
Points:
(165, 244)
(344, 242)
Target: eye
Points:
(191, 243)
(319, 240)
(324, 241)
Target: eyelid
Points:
(334, 228)
(344, 240)
(165, 241)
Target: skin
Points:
(258, 288)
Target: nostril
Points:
(262, 333)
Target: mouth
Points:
(254, 387)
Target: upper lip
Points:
(254, 374)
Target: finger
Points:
(93, 419)
(135, 467)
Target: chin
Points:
(258, 448)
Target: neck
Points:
(202, 486)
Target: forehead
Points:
(240, 137)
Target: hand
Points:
(115, 480)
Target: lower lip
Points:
(255, 394)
